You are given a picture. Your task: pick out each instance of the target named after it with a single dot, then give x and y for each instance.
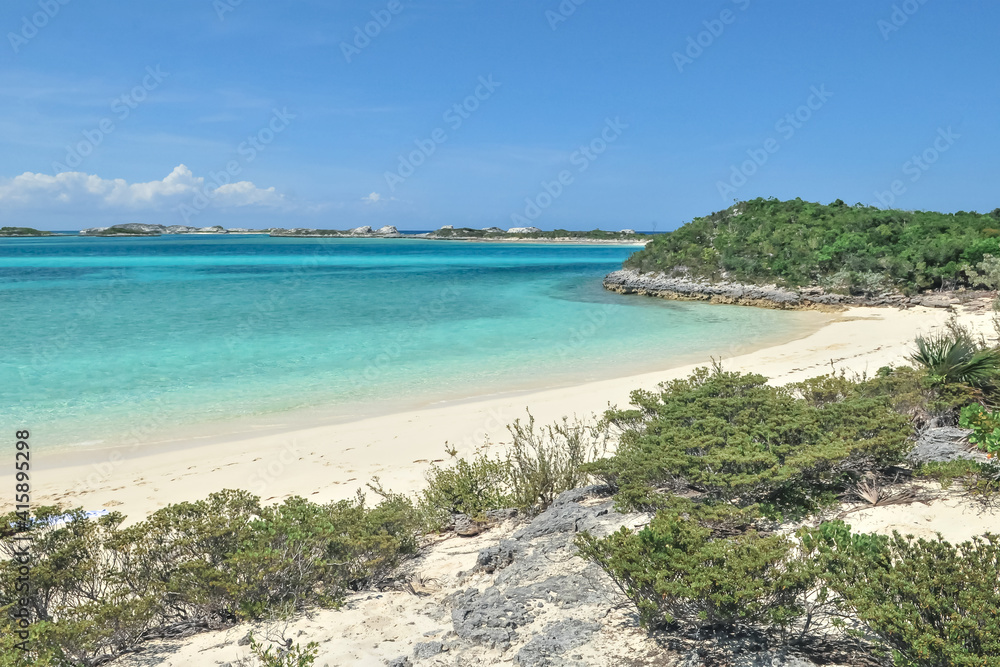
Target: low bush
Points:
(687, 573)
(980, 480)
(540, 463)
(929, 603)
(737, 439)
(985, 425)
(548, 460)
(99, 590)
(289, 655)
(467, 487)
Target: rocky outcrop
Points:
(142, 229)
(523, 230)
(493, 230)
(680, 288)
(544, 608)
(388, 230)
(130, 228)
(942, 444)
(361, 231)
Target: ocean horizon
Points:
(116, 340)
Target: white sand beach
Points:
(333, 461)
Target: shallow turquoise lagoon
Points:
(108, 340)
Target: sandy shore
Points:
(331, 462)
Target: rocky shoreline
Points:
(679, 288)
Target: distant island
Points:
(447, 232)
(23, 231)
(793, 254)
(140, 229)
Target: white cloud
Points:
(372, 198)
(76, 188)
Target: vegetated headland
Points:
(798, 254)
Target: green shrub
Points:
(468, 487)
(980, 480)
(932, 604)
(100, 590)
(735, 438)
(985, 427)
(908, 391)
(540, 463)
(682, 575)
(546, 461)
(289, 655)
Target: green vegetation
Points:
(734, 438)
(22, 231)
(957, 359)
(540, 463)
(985, 427)
(853, 249)
(688, 571)
(123, 231)
(930, 603)
(595, 234)
(980, 480)
(289, 655)
(100, 589)
(745, 453)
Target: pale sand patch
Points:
(332, 461)
(956, 517)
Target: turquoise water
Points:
(107, 340)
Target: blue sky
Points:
(634, 114)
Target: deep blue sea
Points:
(108, 340)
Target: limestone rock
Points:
(387, 230)
(548, 647)
(428, 650)
(358, 231)
(523, 230)
(945, 443)
(466, 527)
